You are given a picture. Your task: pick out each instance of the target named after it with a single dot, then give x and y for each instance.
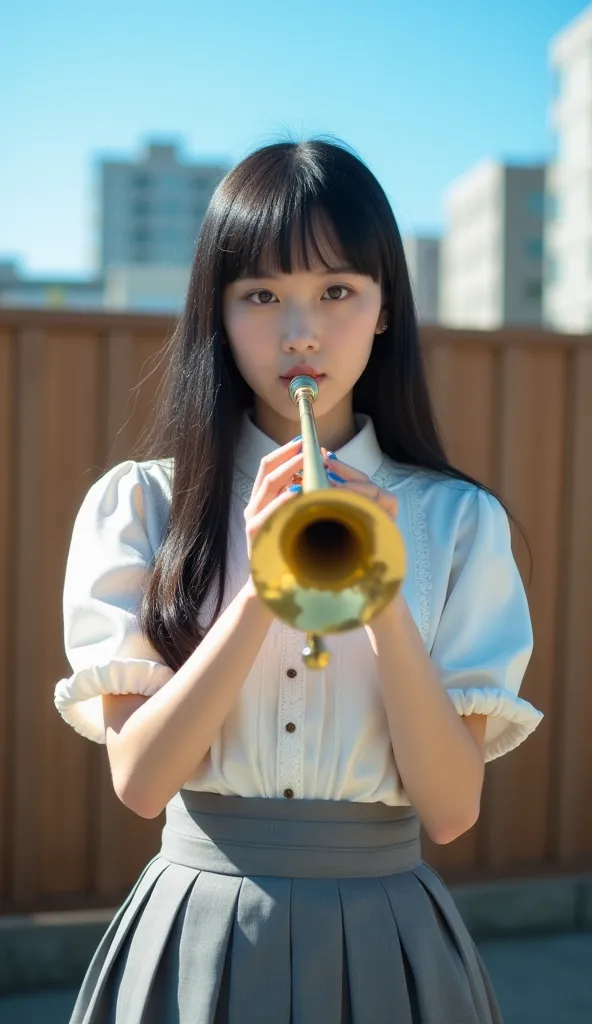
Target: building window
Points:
(533, 290)
(141, 181)
(140, 236)
(534, 248)
(140, 209)
(536, 204)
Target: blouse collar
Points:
(362, 451)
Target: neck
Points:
(334, 429)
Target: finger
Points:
(296, 478)
(342, 469)
(276, 458)
(274, 482)
(257, 520)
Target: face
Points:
(317, 321)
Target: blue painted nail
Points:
(331, 455)
(298, 438)
(294, 488)
(337, 479)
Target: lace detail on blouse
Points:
(242, 485)
(421, 554)
(388, 475)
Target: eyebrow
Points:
(258, 275)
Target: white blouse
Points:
(313, 734)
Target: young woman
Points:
(290, 885)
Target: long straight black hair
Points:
(263, 216)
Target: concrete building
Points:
(423, 261)
(568, 236)
(138, 289)
(148, 219)
(19, 291)
(151, 209)
(491, 259)
(146, 289)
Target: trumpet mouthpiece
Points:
(303, 383)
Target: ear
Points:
(382, 322)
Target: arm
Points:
(453, 709)
(155, 744)
(439, 754)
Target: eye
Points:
(261, 298)
(335, 289)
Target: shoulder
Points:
(130, 493)
(151, 479)
(443, 503)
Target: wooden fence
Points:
(75, 390)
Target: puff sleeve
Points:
(484, 639)
(108, 563)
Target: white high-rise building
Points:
(568, 238)
(423, 259)
(491, 258)
(151, 209)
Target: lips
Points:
(302, 370)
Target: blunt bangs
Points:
(287, 207)
(300, 208)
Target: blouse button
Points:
(290, 727)
(288, 793)
(291, 673)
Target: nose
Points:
(299, 333)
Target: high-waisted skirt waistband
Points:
(287, 912)
(289, 838)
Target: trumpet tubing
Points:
(330, 560)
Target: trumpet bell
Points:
(328, 561)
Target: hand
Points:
(272, 487)
(354, 480)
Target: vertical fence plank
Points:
(29, 670)
(462, 379)
(148, 372)
(117, 381)
(71, 446)
(573, 833)
(532, 422)
(7, 648)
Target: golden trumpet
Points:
(330, 560)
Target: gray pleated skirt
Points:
(263, 911)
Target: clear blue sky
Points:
(423, 89)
